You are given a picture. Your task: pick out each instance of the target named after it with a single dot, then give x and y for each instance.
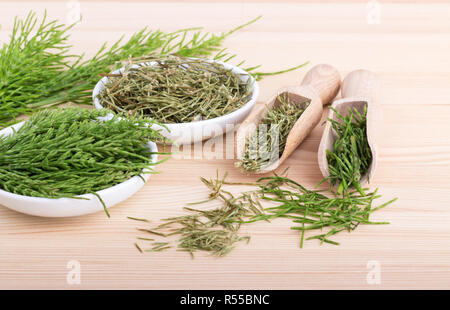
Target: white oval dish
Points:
(187, 133)
(66, 207)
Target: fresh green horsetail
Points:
(351, 156)
(176, 90)
(71, 152)
(38, 70)
(216, 230)
(267, 143)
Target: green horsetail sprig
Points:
(313, 210)
(74, 151)
(37, 69)
(351, 156)
(267, 143)
(216, 230)
(175, 89)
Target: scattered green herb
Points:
(351, 156)
(71, 152)
(216, 230)
(175, 90)
(267, 143)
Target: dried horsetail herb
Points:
(216, 230)
(267, 143)
(138, 247)
(71, 152)
(137, 219)
(175, 90)
(351, 156)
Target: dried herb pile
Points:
(266, 144)
(351, 156)
(216, 230)
(66, 153)
(176, 90)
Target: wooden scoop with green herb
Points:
(347, 152)
(273, 131)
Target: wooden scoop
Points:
(359, 89)
(319, 86)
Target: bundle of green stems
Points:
(351, 155)
(216, 230)
(266, 144)
(38, 69)
(175, 89)
(74, 151)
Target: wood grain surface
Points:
(408, 49)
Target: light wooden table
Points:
(409, 49)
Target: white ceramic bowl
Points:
(65, 207)
(187, 133)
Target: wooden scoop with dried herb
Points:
(348, 152)
(268, 142)
(74, 151)
(319, 86)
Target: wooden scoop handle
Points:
(360, 83)
(324, 80)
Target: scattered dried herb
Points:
(316, 211)
(74, 151)
(351, 156)
(175, 90)
(216, 230)
(138, 247)
(145, 239)
(266, 144)
(158, 247)
(137, 219)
